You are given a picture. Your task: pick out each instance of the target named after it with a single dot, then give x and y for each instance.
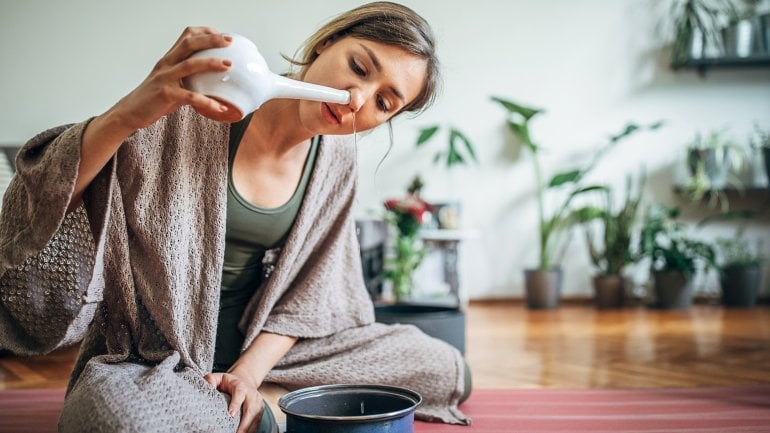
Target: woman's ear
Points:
(323, 46)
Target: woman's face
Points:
(381, 79)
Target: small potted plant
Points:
(739, 262)
(406, 215)
(674, 257)
(761, 140)
(614, 251)
(711, 160)
(697, 28)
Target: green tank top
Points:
(251, 231)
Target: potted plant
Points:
(739, 262)
(710, 160)
(543, 284)
(697, 27)
(458, 151)
(614, 251)
(674, 256)
(761, 140)
(405, 215)
(743, 36)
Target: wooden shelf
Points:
(702, 65)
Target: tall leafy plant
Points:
(551, 226)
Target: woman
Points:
(201, 260)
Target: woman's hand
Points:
(159, 94)
(244, 398)
(162, 91)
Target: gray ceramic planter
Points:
(740, 285)
(609, 291)
(673, 290)
(543, 288)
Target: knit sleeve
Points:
(50, 279)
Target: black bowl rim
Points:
(299, 394)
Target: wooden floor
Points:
(509, 346)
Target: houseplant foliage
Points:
(406, 215)
(459, 149)
(674, 256)
(552, 226)
(697, 26)
(761, 141)
(711, 159)
(611, 250)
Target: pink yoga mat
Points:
(729, 410)
(736, 409)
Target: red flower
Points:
(412, 205)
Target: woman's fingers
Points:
(251, 414)
(213, 379)
(192, 42)
(238, 394)
(197, 65)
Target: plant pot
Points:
(350, 409)
(609, 291)
(743, 38)
(444, 323)
(673, 290)
(765, 20)
(543, 288)
(740, 285)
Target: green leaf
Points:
(632, 128)
(521, 131)
(565, 177)
(455, 134)
(588, 213)
(512, 107)
(426, 134)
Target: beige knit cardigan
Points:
(135, 272)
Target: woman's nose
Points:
(357, 99)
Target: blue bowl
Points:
(350, 409)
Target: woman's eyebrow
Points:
(378, 67)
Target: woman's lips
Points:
(329, 114)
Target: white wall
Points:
(593, 65)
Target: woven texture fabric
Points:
(143, 289)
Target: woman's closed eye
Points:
(382, 103)
(357, 68)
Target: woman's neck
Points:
(275, 127)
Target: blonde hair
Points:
(383, 22)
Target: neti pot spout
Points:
(249, 83)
